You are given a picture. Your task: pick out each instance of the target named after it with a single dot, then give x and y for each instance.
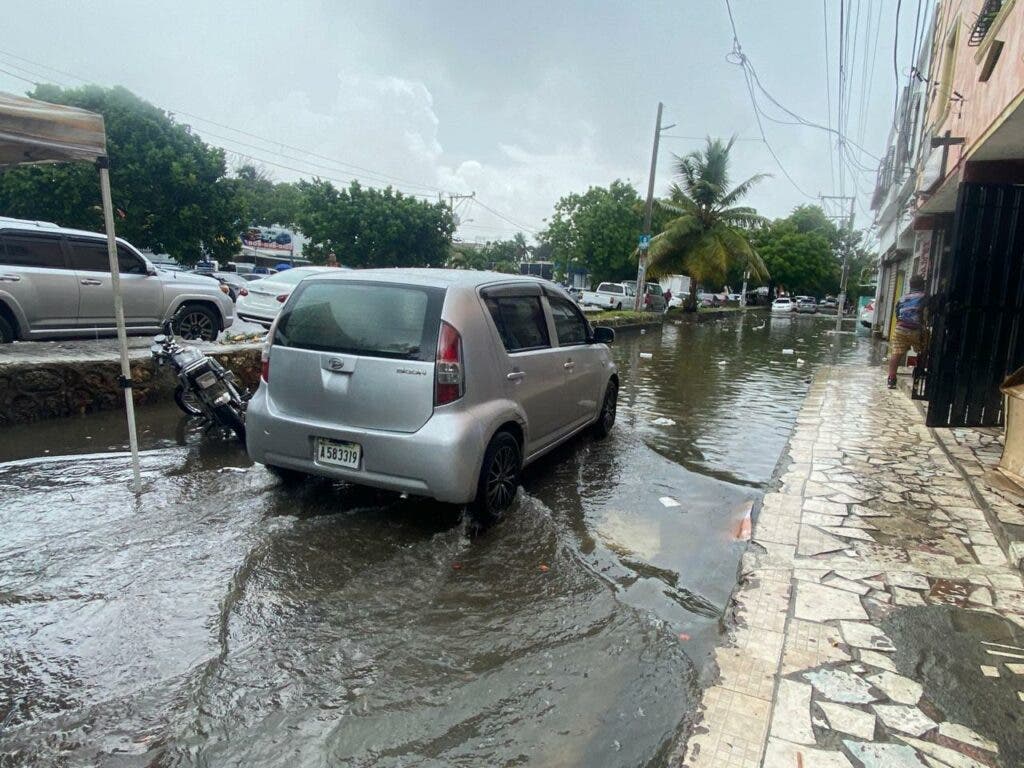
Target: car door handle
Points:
(568, 365)
(515, 375)
(10, 278)
(90, 281)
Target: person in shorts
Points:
(910, 328)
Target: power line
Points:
(895, 65)
(502, 216)
(828, 95)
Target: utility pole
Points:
(846, 268)
(645, 237)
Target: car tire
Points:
(618, 307)
(197, 323)
(609, 406)
(7, 334)
(499, 478)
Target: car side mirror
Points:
(603, 335)
(151, 272)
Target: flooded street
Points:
(223, 619)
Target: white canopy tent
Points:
(38, 132)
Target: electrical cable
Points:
(828, 96)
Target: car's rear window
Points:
(363, 318)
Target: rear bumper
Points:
(441, 460)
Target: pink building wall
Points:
(985, 104)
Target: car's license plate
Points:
(337, 452)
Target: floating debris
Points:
(646, 355)
(668, 501)
(787, 351)
(723, 362)
(799, 362)
(661, 421)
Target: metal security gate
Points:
(977, 337)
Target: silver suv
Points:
(433, 382)
(55, 282)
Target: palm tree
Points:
(709, 234)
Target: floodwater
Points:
(223, 619)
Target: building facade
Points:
(962, 225)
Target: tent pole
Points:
(122, 334)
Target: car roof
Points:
(466, 278)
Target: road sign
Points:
(645, 241)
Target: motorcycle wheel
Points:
(229, 416)
(187, 401)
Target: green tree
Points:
(596, 230)
(263, 202)
(367, 227)
(710, 233)
(169, 188)
(801, 262)
(499, 255)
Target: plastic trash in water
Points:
(799, 362)
(646, 355)
(668, 501)
(787, 351)
(723, 362)
(643, 331)
(661, 421)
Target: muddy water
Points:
(224, 619)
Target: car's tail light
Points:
(283, 298)
(449, 376)
(265, 362)
(243, 291)
(225, 289)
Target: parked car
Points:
(806, 305)
(235, 285)
(828, 304)
(867, 315)
(265, 297)
(609, 296)
(438, 383)
(783, 304)
(55, 282)
(654, 298)
(735, 297)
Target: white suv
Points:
(55, 282)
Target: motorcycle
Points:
(205, 387)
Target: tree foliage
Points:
(264, 202)
(366, 227)
(169, 188)
(596, 230)
(710, 233)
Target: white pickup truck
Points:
(609, 296)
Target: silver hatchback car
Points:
(433, 382)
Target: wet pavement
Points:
(224, 619)
(878, 623)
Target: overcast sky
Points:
(520, 102)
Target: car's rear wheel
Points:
(609, 406)
(6, 331)
(499, 478)
(618, 306)
(197, 323)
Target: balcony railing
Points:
(988, 14)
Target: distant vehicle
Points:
(828, 303)
(806, 305)
(437, 383)
(251, 276)
(783, 304)
(867, 315)
(734, 297)
(654, 298)
(55, 282)
(711, 299)
(233, 283)
(264, 298)
(679, 285)
(609, 296)
(283, 238)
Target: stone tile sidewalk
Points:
(877, 622)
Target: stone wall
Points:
(48, 389)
